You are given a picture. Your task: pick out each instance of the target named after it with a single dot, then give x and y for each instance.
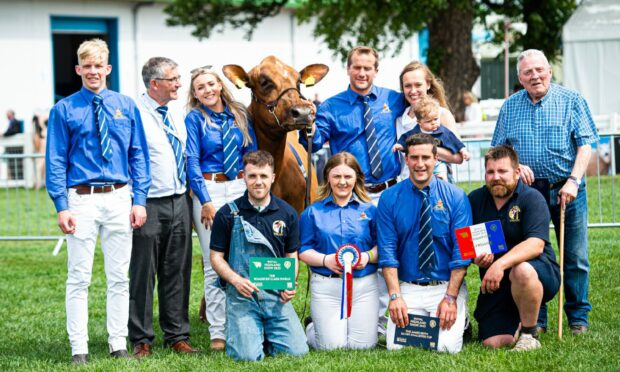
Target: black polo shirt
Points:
(278, 222)
(524, 216)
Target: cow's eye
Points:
(266, 84)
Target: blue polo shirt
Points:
(340, 120)
(398, 220)
(277, 213)
(73, 155)
(446, 138)
(205, 152)
(325, 226)
(546, 134)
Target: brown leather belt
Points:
(378, 187)
(86, 189)
(220, 177)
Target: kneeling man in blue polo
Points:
(421, 261)
(514, 283)
(258, 224)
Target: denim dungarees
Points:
(252, 321)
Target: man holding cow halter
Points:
(552, 130)
(361, 120)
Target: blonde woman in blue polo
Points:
(342, 215)
(213, 114)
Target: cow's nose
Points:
(300, 112)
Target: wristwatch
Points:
(394, 296)
(451, 299)
(575, 180)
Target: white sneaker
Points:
(526, 342)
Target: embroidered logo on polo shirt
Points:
(386, 108)
(363, 216)
(118, 114)
(439, 206)
(278, 227)
(514, 213)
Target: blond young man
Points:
(96, 145)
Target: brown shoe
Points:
(183, 347)
(217, 344)
(141, 350)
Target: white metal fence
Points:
(27, 213)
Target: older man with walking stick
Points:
(552, 130)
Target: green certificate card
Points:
(272, 273)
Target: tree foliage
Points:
(544, 20)
(384, 25)
(387, 24)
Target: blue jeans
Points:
(260, 324)
(252, 320)
(576, 264)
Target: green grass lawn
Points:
(32, 311)
(32, 289)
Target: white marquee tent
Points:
(591, 61)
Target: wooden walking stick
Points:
(561, 296)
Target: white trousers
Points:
(327, 331)
(215, 298)
(107, 215)
(424, 301)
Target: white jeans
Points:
(424, 301)
(327, 330)
(215, 298)
(107, 215)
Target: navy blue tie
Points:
(426, 253)
(177, 147)
(371, 140)
(229, 143)
(104, 134)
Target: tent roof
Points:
(594, 20)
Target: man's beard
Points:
(505, 189)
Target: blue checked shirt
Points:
(546, 135)
(340, 120)
(398, 220)
(205, 152)
(73, 154)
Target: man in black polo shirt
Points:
(514, 283)
(257, 224)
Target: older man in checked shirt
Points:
(552, 130)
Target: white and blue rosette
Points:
(348, 256)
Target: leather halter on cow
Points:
(279, 110)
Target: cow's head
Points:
(276, 99)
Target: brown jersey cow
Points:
(278, 110)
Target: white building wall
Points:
(26, 44)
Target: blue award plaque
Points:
(422, 331)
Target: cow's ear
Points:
(237, 75)
(312, 74)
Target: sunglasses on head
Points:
(205, 67)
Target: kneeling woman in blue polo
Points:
(342, 215)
